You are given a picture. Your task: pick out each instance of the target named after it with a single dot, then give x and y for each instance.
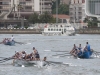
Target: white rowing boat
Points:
(17, 62)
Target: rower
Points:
(87, 47)
(12, 38)
(23, 53)
(45, 58)
(36, 54)
(73, 49)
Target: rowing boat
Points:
(10, 43)
(86, 54)
(22, 62)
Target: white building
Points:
(77, 11)
(93, 8)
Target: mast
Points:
(56, 11)
(14, 7)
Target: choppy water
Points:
(44, 44)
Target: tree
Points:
(46, 18)
(34, 18)
(92, 21)
(62, 8)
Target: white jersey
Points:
(12, 38)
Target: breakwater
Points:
(20, 31)
(39, 31)
(88, 31)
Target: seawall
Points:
(39, 31)
(88, 31)
(20, 31)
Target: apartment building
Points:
(65, 2)
(77, 11)
(93, 8)
(24, 8)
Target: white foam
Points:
(22, 66)
(47, 50)
(28, 43)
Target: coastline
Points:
(39, 31)
(20, 31)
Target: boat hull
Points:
(86, 54)
(11, 43)
(17, 62)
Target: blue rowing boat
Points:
(85, 54)
(10, 43)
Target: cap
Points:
(33, 47)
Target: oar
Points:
(60, 54)
(55, 51)
(63, 63)
(1, 42)
(65, 55)
(19, 42)
(53, 62)
(5, 59)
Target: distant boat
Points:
(11, 43)
(67, 29)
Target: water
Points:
(46, 45)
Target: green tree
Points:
(62, 8)
(34, 18)
(92, 22)
(46, 18)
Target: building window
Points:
(28, 7)
(64, 21)
(28, 0)
(5, 3)
(22, 3)
(83, 1)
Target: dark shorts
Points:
(37, 56)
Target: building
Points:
(23, 8)
(62, 18)
(93, 8)
(77, 11)
(65, 2)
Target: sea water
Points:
(48, 46)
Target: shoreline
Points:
(39, 31)
(20, 31)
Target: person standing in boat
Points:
(12, 38)
(87, 47)
(36, 54)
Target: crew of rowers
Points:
(79, 50)
(8, 39)
(29, 57)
